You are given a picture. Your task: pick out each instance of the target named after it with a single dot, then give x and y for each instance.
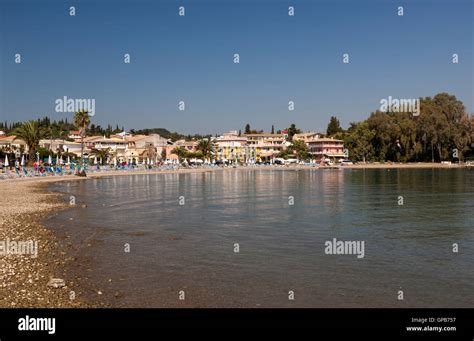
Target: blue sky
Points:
(190, 58)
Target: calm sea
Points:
(191, 248)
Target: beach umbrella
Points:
(22, 160)
(6, 161)
(50, 160)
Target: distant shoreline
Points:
(100, 174)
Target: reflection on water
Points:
(191, 247)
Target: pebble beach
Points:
(25, 281)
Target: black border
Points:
(139, 323)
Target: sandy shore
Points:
(24, 202)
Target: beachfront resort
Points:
(136, 150)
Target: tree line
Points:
(442, 131)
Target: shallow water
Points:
(190, 247)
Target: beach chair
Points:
(18, 173)
(28, 174)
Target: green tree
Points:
(101, 154)
(292, 130)
(359, 141)
(299, 149)
(31, 134)
(247, 129)
(207, 147)
(462, 136)
(180, 152)
(334, 126)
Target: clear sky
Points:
(190, 58)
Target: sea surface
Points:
(171, 240)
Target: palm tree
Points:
(31, 133)
(181, 152)
(207, 147)
(82, 121)
(101, 153)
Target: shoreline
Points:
(24, 278)
(107, 173)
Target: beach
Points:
(24, 278)
(25, 202)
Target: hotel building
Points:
(267, 146)
(233, 148)
(322, 148)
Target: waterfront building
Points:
(322, 148)
(117, 147)
(267, 146)
(144, 148)
(10, 144)
(231, 147)
(61, 146)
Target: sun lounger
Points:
(28, 174)
(18, 173)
